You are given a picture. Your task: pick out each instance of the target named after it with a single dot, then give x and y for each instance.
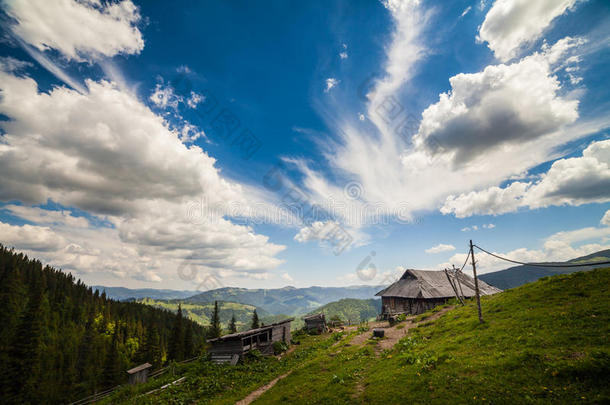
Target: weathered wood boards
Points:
(418, 291)
(224, 348)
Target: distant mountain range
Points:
(298, 301)
(287, 300)
(519, 275)
(275, 301)
(128, 294)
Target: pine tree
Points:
(232, 325)
(189, 343)
(111, 375)
(152, 348)
(215, 329)
(26, 348)
(176, 343)
(255, 323)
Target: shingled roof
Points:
(433, 284)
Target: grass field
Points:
(545, 342)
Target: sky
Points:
(197, 145)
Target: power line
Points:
(465, 261)
(539, 264)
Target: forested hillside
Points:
(60, 341)
(351, 310)
(202, 312)
(287, 300)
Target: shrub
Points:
(279, 347)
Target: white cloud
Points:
(510, 24)
(194, 99)
(79, 30)
(489, 226)
(331, 82)
(106, 153)
(30, 237)
(572, 181)
(466, 11)
(491, 126)
(10, 64)
(560, 246)
(502, 105)
(46, 217)
(287, 277)
(441, 247)
(163, 97)
(606, 219)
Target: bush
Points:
(279, 347)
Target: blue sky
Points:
(301, 143)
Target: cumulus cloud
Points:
(502, 105)
(107, 153)
(79, 30)
(163, 96)
(331, 82)
(39, 238)
(46, 217)
(441, 247)
(572, 181)
(560, 246)
(510, 24)
(287, 277)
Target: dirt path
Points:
(393, 334)
(255, 394)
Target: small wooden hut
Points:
(225, 347)
(420, 290)
(315, 322)
(139, 374)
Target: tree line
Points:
(61, 341)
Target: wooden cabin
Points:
(315, 322)
(139, 374)
(418, 291)
(225, 347)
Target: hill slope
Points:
(519, 275)
(545, 342)
(59, 340)
(351, 310)
(287, 300)
(124, 294)
(202, 312)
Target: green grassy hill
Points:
(519, 275)
(351, 310)
(202, 312)
(545, 342)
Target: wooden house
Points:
(315, 322)
(420, 290)
(139, 374)
(225, 347)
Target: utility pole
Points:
(476, 282)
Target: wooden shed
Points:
(420, 290)
(315, 322)
(240, 343)
(139, 374)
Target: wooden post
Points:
(453, 287)
(476, 282)
(457, 276)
